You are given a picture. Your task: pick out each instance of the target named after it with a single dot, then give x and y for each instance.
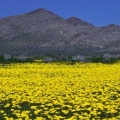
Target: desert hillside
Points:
(42, 32)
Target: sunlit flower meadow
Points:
(59, 91)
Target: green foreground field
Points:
(59, 91)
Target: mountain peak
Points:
(76, 22)
(112, 25)
(40, 10)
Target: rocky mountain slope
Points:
(42, 32)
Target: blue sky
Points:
(97, 12)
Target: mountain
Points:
(42, 32)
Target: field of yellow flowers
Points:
(59, 91)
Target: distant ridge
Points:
(41, 32)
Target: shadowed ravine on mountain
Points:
(42, 32)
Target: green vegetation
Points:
(66, 59)
(14, 60)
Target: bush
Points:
(97, 59)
